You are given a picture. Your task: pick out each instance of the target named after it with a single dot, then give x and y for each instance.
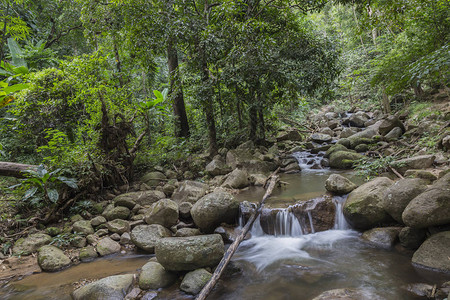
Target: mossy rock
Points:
(344, 159)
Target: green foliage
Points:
(372, 167)
(40, 188)
(12, 83)
(63, 239)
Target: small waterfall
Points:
(286, 224)
(308, 161)
(339, 220)
(311, 225)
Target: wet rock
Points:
(260, 179)
(142, 198)
(52, 259)
(363, 208)
(217, 167)
(88, 253)
(146, 237)
(237, 179)
(83, 227)
(154, 276)
(344, 159)
(412, 238)
(322, 212)
(430, 208)
(394, 134)
(118, 212)
(339, 185)
(228, 233)
(194, 281)
(134, 294)
(183, 232)
(164, 212)
(98, 220)
(112, 287)
(289, 169)
(190, 253)
(434, 252)
(400, 194)
(419, 289)
(189, 191)
(344, 294)
(214, 209)
(107, 246)
(415, 162)
(321, 138)
(153, 179)
(390, 123)
(30, 244)
(118, 226)
(185, 209)
(291, 135)
(384, 237)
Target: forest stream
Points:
(292, 262)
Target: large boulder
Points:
(213, 209)
(347, 132)
(145, 237)
(190, 253)
(217, 167)
(30, 244)
(339, 185)
(83, 227)
(237, 179)
(107, 246)
(238, 157)
(384, 237)
(51, 258)
(363, 208)
(434, 252)
(318, 212)
(415, 162)
(291, 135)
(367, 133)
(189, 191)
(194, 281)
(118, 226)
(112, 287)
(163, 212)
(321, 138)
(118, 212)
(394, 134)
(358, 119)
(431, 208)
(153, 179)
(344, 159)
(335, 148)
(88, 253)
(390, 123)
(399, 195)
(154, 276)
(142, 198)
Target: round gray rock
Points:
(30, 244)
(237, 179)
(412, 238)
(384, 237)
(194, 281)
(214, 209)
(118, 226)
(399, 195)
(344, 159)
(363, 208)
(154, 276)
(51, 258)
(118, 212)
(112, 287)
(190, 253)
(146, 237)
(344, 294)
(434, 252)
(164, 212)
(88, 253)
(338, 184)
(107, 246)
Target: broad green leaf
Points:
(30, 193)
(53, 195)
(71, 182)
(15, 88)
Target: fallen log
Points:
(14, 169)
(227, 257)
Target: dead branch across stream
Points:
(272, 180)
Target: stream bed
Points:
(287, 265)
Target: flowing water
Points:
(294, 262)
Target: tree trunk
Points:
(418, 91)
(176, 92)
(14, 169)
(253, 116)
(385, 102)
